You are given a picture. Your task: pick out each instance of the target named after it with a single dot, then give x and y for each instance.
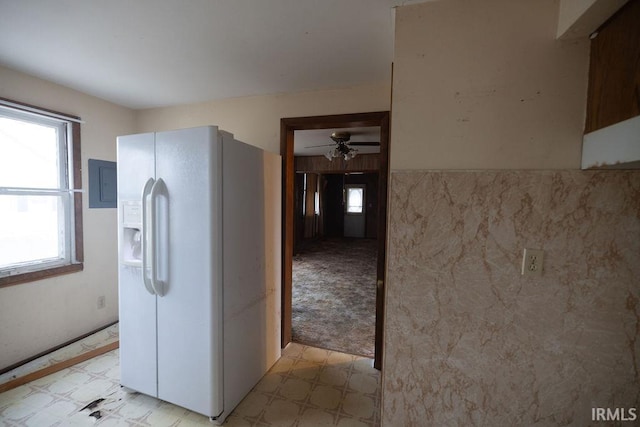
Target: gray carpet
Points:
(334, 295)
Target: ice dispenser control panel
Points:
(131, 249)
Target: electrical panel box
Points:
(103, 188)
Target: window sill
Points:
(39, 275)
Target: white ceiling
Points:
(149, 53)
(317, 142)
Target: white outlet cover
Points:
(532, 262)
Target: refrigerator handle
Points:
(155, 283)
(146, 244)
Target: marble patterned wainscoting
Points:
(469, 341)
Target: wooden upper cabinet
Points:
(614, 70)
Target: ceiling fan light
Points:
(342, 148)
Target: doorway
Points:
(335, 256)
(288, 127)
(355, 217)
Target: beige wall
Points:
(468, 340)
(256, 119)
(39, 315)
(481, 85)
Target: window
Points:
(40, 207)
(355, 199)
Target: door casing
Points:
(287, 128)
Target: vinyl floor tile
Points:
(307, 387)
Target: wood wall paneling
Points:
(614, 70)
(320, 164)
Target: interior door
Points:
(354, 210)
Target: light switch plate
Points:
(532, 262)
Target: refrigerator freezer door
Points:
(189, 267)
(137, 307)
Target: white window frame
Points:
(68, 191)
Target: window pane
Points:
(354, 200)
(31, 229)
(28, 155)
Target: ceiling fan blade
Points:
(323, 145)
(364, 143)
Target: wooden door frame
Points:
(287, 128)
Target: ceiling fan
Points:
(343, 146)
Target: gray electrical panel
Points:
(103, 188)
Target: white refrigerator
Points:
(199, 266)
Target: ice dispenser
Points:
(131, 249)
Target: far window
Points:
(355, 199)
(40, 232)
